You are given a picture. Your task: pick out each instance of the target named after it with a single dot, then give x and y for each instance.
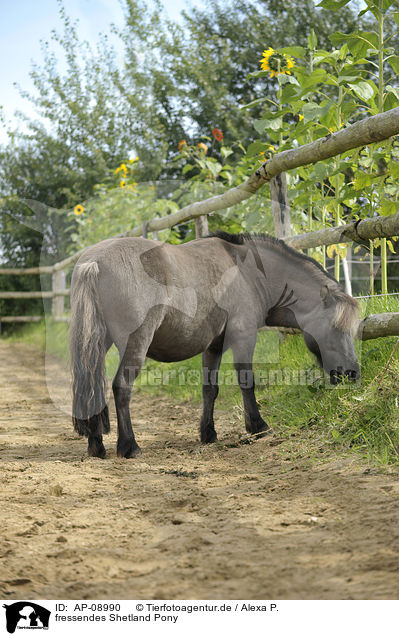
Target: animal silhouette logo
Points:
(26, 615)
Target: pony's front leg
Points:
(210, 389)
(242, 355)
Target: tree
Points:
(176, 81)
(199, 71)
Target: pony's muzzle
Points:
(338, 376)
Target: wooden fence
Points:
(58, 292)
(373, 326)
(373, 129)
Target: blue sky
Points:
(23, 23)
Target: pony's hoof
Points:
(262, 432)
(97, 451)
(136, 452)
(128, 451)
(259, 429)
(209, 436)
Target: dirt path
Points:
(183, 521)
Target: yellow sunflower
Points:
(276, 62)
(123, 184)
(203, 147)
(78, 209)
(122, 168)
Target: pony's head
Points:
(329, 332)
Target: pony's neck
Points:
(293, 284)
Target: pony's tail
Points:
(87, 347)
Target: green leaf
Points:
(316, 77)
(257, 74)
(363, 89)
(348, 108)
(344, 79)
(295, 51)
(311, 112)
(213, 167)
(320, 55)
(254, 102)
(287, 79)
(396, 17)
(394, 169)
(393, 61)
(312, 40)
(297, 105)
(333, 5)
(358, 42)
(328, 115)
(330, 58)
(320, 171)
(390, 101)
(393, 90)
(261, 125)
(366, 161)
(386, 4)
(255, 148)
(225, 152)
(362, 180)
(388, 207)
(187, 168)
(289, 94)
(275, 124)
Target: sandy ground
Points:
(184, 521)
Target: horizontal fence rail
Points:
(20, 319)
(34, 294)
(57, 294)
(48, 269)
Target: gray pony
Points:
(172, 302)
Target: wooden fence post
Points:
(58, 285)
(347, 278)
(280, 206)
(201, 226)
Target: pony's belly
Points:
(175, 349)
(170, 356)
(180, 337)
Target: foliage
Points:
(322, 92)
(201, 82)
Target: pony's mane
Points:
(346, 307)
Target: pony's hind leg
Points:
(96, 427)
(99, 424)
(210, 368)
(129, 368)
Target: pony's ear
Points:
(324, 292)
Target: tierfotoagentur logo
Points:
(26, 615)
